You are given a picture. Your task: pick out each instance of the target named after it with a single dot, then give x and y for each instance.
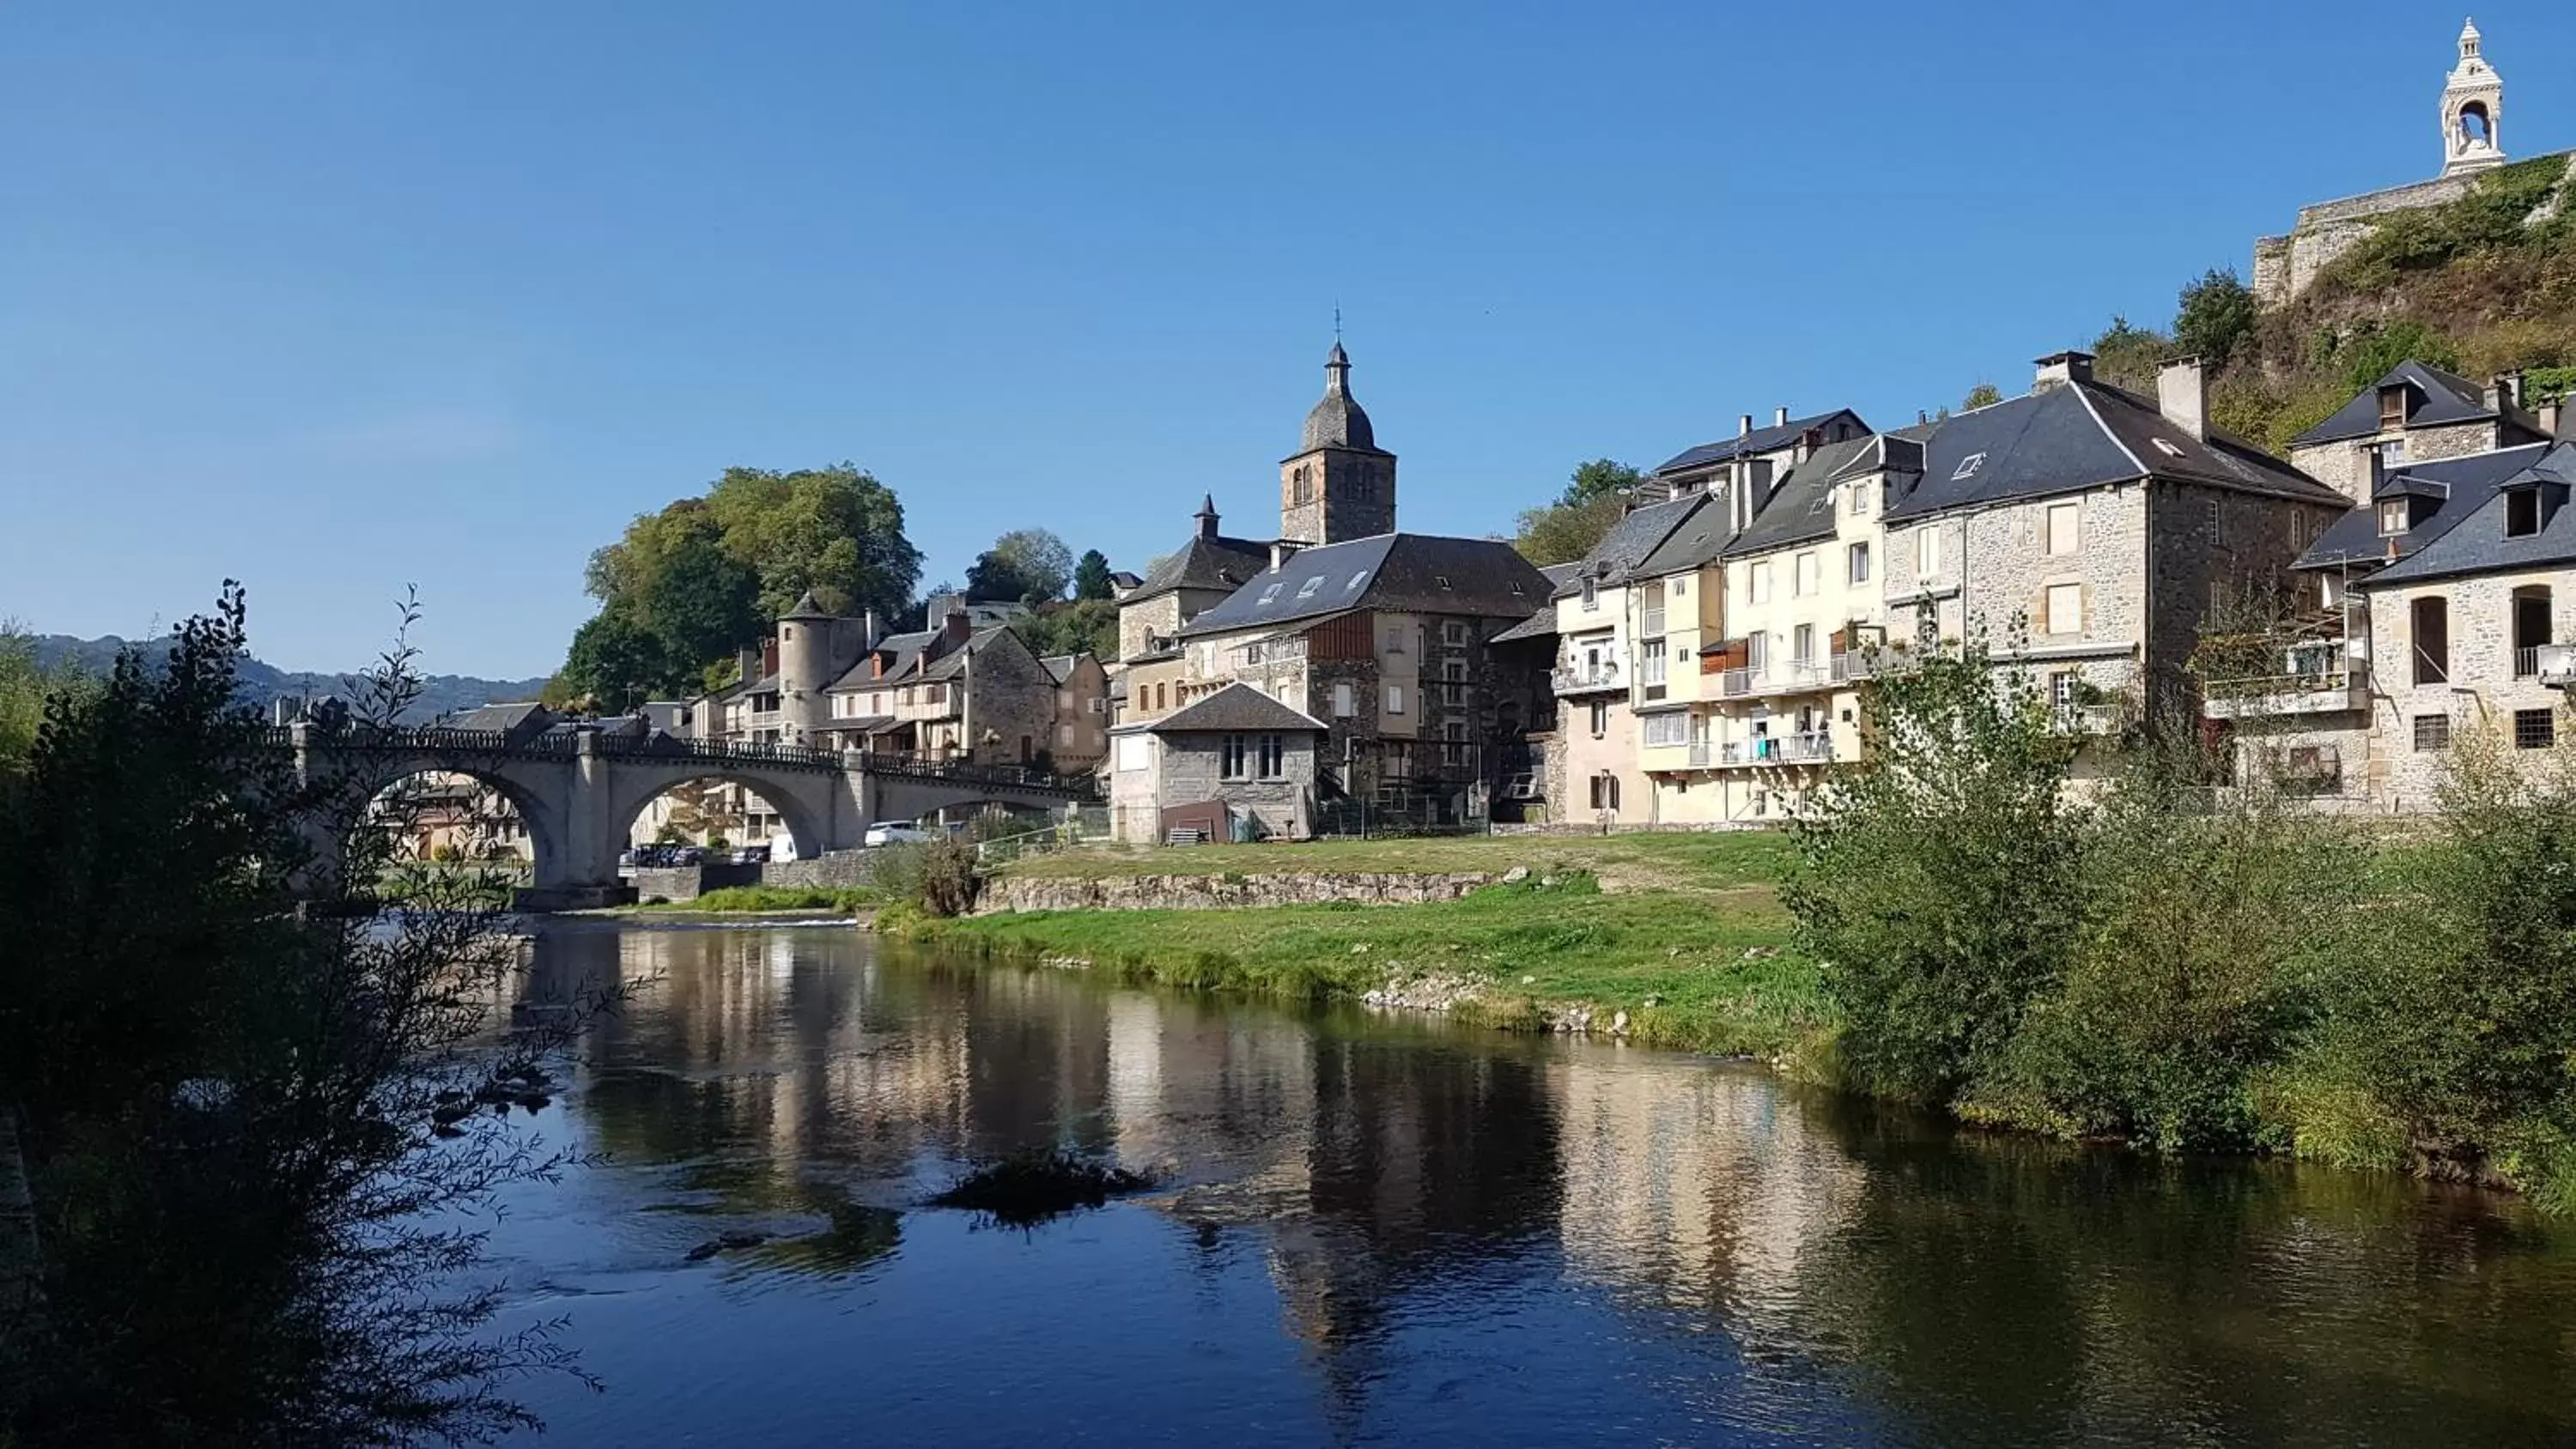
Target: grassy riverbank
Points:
(1684, 933)
(760, 900)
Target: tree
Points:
(2213, 316)
(1084, 624)
(992, 578)
(1035, 558)
(1599, 478)
(835, 531)
(238, 1120)
(1091, 576)
(1556, 533)
(1983, 395)
(615, 664)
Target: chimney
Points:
(1782, 420)
(869, 631)
(2182, 395)
(1281, 550)
(958, 626)
(2058, 369)
(2554, 419)
(768, 657)
(747, 659)
(1744, 426)
(2504, 391)
(2372, 471)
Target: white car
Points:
(896, 834)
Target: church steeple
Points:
(2472, 108)
(1340, 484)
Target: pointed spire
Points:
(1207, 516)
(2469, 38)
(1337, 367)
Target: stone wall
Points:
(833, 870)
(2481, 692)
(2210, 544)
(1222, 892)
(1191, 772)
(688, 882)
(2285, 265)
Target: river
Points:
(1379, 1231)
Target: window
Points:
(2432, 732)
(1651, 611)
(2535, 729)
(2061, 690)
(1600, 718)
(1653, 667)
(1099, 704)
(2065, 531)
(1357, 579)
(1757, 582)
(1927, 549)
(1307, 589)
(1395, 699)
(1667, 729)
(1856, 567)
(1273, 758)
(2392, 517)
(1064, 734)
(1591, 594)
(1757, 652)
(2217, 524)
(2392, 454)
(2521, 512)
(2065, 609)
(1860, 500)
(1271, 592)
(2431, 618)
(1343, 703)
(1802, 644)
(2392, 407)
(1805, 579)
(1968, 467)
(1680, 587)
(1605, 792)
(1231, 766)
(1453, 632)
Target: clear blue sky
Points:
(334, 298)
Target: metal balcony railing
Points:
(1579, 679)
(1738, 683)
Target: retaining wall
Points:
(1218, 892)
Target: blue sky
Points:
(335, 298)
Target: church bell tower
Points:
(2472, 108)
(1340, 484)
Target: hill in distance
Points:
(261, 683)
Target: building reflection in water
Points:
(1383, 1172)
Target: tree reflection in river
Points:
(1468, 1236)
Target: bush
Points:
(936, 878)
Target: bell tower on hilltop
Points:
(2472, 108)
(1340, 484)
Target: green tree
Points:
(2213, 316)
(1091, 576)
(2130, 356)
(616, 664)
(1939, 880)
(1084, 624)
(835, 531)
(1036, 558)
(1555, 533)
(994, 578)
(1599, 478)
(1983, 395)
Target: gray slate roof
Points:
(1204, 563)
(2477, 543)
(1760, 440)
(1235, 707)
(1633, 539)
(901, 651)
(1801, 509)
(527, 717)
(1417, 573)
(2456, 485)
(953, 663)
(2077, 436)
(1337, 420)
(2435, 399)
(1060, 665)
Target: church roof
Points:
(1337, 420)
(1204, 563)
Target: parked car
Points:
(752, 855)
(895, 833)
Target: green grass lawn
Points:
(732, 899)
(1697, 862)
(1698, 931)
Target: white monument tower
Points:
(2472, 105)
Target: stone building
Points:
(2089, 531)
(1234, 764)
(1596, 774)
(1339, 484)
(2471, 118)
(2415, 414)
(959, 693)
(1081, 739)
(1202, 573)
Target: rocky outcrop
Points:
(1223, 892)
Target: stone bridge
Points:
(580, 791)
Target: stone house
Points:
(1081, 738)
(2089, 531)
(2415, 414)
(1202, 573)
(977, 695)
(1235, 763)
(1598, 775)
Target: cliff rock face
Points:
(1217, 892)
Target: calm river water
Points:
(1386, 1232)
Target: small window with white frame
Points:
(2065, 609)
(1927, 550)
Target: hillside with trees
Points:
(2481, 286)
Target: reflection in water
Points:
(1386, 1232)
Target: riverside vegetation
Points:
(2153, 959)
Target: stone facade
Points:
(2482, 687)
(2345, 463)
(1080, 738)
(1189, 769)
(1224, 892)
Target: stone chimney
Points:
(747, 659)
(2553, 418)
(1281, 550)
(2370, 470)
(957, 626)
(2182, 395)
(2504, 391)
(2058, 369)
(1782, 420)
(870, 631)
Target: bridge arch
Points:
(806, 813)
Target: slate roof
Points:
(902, 651)
(1235, 707)
(1204, 563)
(2082, 435)
(953, 663)
(1631, 540)
(2442, 398)
(2456, 485)
(1060, 666)
(1416, 573)
(526, 717)
(1800, 510)
(1337, 420)
(1761, 440)
(807, 607)
(1541, 625)
(2477, 543)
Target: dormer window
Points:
(2521, 512)
(2392, 518)
(1968, 467)
(2392, 407)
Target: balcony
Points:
(2086, 719)
(1743, 683)
(2322, 691)
(2553, 664)
(1813, 747)
(1593, 680)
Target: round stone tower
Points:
(804, 671)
